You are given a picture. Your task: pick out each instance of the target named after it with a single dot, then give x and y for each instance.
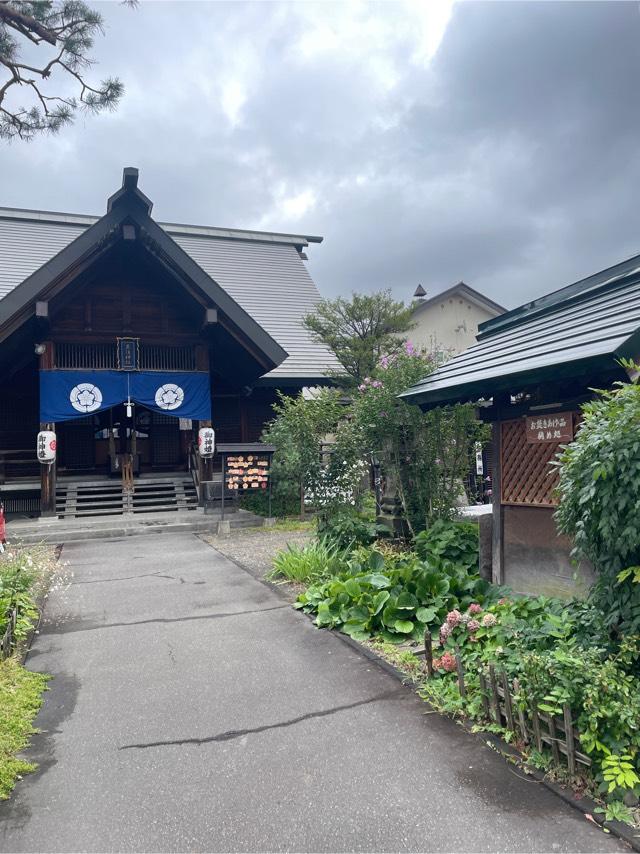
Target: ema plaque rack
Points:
(246, 469)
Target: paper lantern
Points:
(46, 446)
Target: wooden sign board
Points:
(552, 427)
(247, 471)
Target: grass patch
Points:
(20, 698)
(303, 564)
(283, 526)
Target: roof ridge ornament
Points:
(130, 192)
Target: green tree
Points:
(360, 331)
(64, 32)
(299, 426)
(599, 491)
(426, 455)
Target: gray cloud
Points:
(509, 159)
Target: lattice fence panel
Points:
(527, 477)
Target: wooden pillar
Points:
(497, 528)
(48, 481)
(48, 472)
(205, 466)
(244, 419)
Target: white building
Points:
(447, 323)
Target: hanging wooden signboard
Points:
(552, 427)
(246, 469)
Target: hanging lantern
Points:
(206, 441)
(46, 446)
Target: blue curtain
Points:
(75, 394)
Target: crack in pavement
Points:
(51, 628)
(120, 578)
(232, 734)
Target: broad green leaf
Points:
(404, 626)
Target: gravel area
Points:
(256, 549)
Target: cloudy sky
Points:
(427, 142)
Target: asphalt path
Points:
(191, 709)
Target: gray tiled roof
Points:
(262, 271)
(593, 322)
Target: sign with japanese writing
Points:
(247, 471)
(128, 354)
(556, 427)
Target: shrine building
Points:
(528, 373)
(125, 337)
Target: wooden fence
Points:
(531, 726)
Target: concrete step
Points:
(97, 527)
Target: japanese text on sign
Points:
(557, 427)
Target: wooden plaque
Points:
(551, 427)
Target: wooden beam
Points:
(497, 527)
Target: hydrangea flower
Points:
(474, 608)
(489, 620)
(454, 618)
(445, 631)
(448, 662)
(503, 601)
(473, 626)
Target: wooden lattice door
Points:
(526, 471)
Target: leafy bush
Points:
(537, 641)
(599, 491)
(453, 541)
(392, 599)
(303, 564)
(348, 528)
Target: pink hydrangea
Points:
(454, 618)
(445, 631)
(474, 608)
(489, 620)
(473, 626)
(448, 662)
(503, 601)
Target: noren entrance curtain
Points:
(75, 394)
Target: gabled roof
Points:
(259, 277)
(466, 292)
(578, 330)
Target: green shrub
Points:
(282, 503)
(348, 528)
(599, 491)
(392, 599)
(303, 564)
(453, 541)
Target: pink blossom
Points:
(445, 631)
(489, 620)
(474, 608)
(376, 384)
(453, 618)
(409, 348)
(384, 361)
(503, 601)
(473, 626)
(448, 662)
(362, 387)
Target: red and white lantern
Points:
(46, 446)
(206, 441)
